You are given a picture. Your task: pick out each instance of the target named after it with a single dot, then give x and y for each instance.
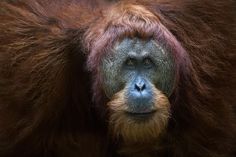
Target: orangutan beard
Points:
(133, 130)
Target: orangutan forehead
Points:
(137, 44)
(141, 47)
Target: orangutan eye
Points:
(130, 62)
(147, 62)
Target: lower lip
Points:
(142, 116)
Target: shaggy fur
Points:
(144, 131)
(136, 134)
(50, 52)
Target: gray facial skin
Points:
(132, 58)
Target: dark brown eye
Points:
(130, 62)
(147, 62)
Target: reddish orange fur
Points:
(135, 134)
(46, 106)
(130, 130)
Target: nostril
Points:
(140, 86)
